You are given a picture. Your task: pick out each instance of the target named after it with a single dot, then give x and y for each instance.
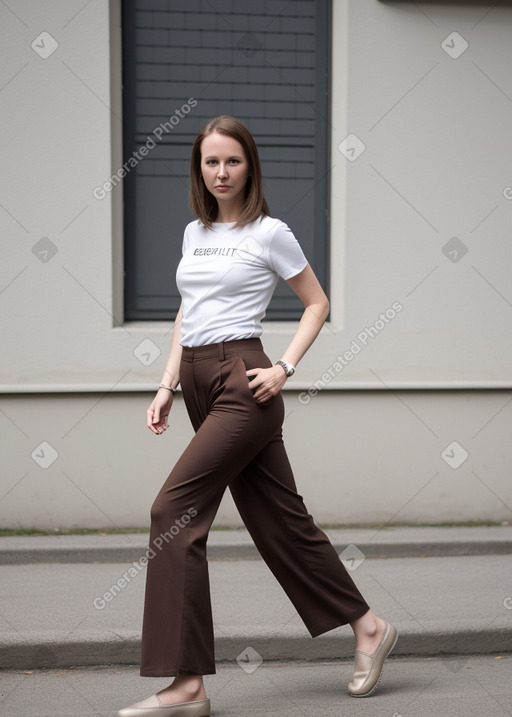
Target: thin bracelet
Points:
(169, 388)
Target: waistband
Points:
(220, 350)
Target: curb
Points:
(451, 646)
(247, 551)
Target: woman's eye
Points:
(211, 162)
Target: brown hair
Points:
(201, 201)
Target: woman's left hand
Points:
(266, 382)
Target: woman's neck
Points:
(227, 218)
(227, 214)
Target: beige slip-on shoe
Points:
(152, 707)
(368, 668)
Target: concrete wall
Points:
(431, 111)
(358, 456)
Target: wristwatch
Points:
(287, 367)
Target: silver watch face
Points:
(288, 368)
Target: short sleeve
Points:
(285, 254)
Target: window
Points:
(185, 61)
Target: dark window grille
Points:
(266, 62)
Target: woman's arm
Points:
(171, 376)
(270, 381)
(158, 413)
(308, 289)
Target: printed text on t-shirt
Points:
(215, 251)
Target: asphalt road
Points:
(429, 687)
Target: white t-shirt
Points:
(227, 276)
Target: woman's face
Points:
(224, 167)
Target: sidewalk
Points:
(428, 687)
(57, 614)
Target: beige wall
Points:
(434, 118)
(358, 457)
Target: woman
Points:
(232, 258)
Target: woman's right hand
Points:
(158, 413)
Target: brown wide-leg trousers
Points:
(238, 444)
